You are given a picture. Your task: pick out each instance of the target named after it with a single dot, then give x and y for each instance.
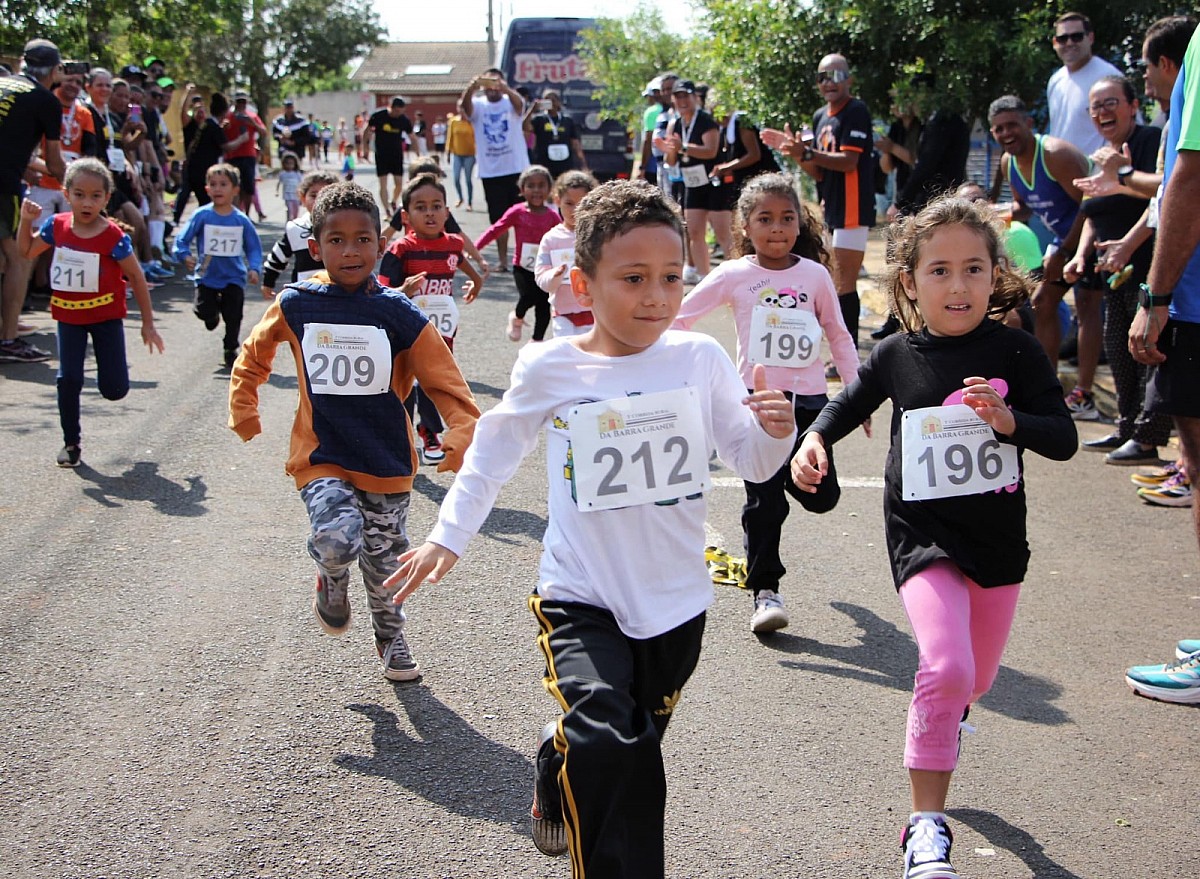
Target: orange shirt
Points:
(76, 120)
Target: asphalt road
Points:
(170, 708)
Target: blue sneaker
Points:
(1168, 683)
(1186, 648)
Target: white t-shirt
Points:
(499, 141)
(643, 563)
(1067, 95)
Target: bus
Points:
(539, 53)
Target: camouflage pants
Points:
(350, 525)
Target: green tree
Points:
(624, 54)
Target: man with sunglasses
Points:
(840, 157)
(1069, 86)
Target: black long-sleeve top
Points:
(983, 534)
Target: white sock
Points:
(157, 229)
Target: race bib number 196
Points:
(346, 359)
(951, 451)
(639, 450)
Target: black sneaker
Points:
(68, 457)
(231, 355)
(891, 325)
(926, 842)
(396, 661)
(545, 815)
(20, 351)
(1104, 444)
(331, 604)
(1132, 453)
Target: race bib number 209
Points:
(346, 359)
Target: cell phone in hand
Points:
(135, 113)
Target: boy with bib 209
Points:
(358, 347)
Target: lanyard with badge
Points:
(556, 152)
(696, 175)
(116, 155)
(643, 449)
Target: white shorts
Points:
(53, 201)
(851, 239)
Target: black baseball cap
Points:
(241, 95)
(131, 70)
(41, 54)
(289, 103)
(397, 102)
(684, 85)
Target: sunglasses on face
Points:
(833, 76)
(156, 94)
(1105, 106)
(1072, 37)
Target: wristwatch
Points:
(807, 155)
(1148, 300)
(1124, 173)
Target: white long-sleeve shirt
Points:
(643, 563)
(559, 287)
(742, 285)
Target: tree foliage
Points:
(257, 44)
(761, 55)
(624, 54)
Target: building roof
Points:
(421, 68)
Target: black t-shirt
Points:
(848, 197)
(910, 139)
(28, 112)
(941, 161)
(204, 146)
(983, 534)
(1114, 215)
(389, 132)
(554, 131)
(701, 124)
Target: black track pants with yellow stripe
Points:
(617, 694)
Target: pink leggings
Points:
(961, 629)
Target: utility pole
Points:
(491, 37)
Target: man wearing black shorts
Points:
(389, 126)
(29, 111)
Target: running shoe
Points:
(68, 457)
(1082, 405)
(1157, 476)
(20, 351)
(926, 842)
(1168, 683)
(545, 815)
(691, 275)
(331, 604)
(1175, 492)
(1105, 444)
(1186, 648)
(832, 374)
(514, 326)
(431, 447)
(396, 660)
(1132, 453)
(769, 613)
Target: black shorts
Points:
(247, 167)
(501, 194)
(1174, 387)
(705, 198)
(389, 164)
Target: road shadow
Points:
(142, 482)
(1015, 840)
(887, 657)
(502, 524)
(448, 762)
(480, 389)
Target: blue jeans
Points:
(112, 372)
(460, 165)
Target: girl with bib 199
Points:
(783, 301)
(91, 253)
(969, 396)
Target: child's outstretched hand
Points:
(810, 463)
(412, 283)
(427, 563)
(988, 404)
(470, 291)
(252, 278)
(773, 409)
(151, 339)
(189, 262)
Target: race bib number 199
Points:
(639, 450)
(346, 359)
(784, 336)
(950, 451)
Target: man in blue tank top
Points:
(1041, 171)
